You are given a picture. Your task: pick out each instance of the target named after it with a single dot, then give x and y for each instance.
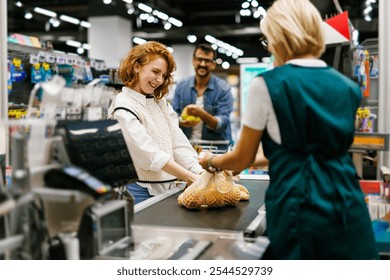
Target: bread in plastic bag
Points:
(213, 190)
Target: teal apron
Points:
(315, 207)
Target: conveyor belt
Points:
(168, 213)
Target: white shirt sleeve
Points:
(183, 152)
(260, 113)
(143, 150)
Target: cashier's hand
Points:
(204, 158)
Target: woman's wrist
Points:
(210, 165)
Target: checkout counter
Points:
(161, 229)
(221, 233)
(78, 218)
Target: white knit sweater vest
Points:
(158, 124)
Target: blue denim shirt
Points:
(217, 100)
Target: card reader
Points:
(71, 177)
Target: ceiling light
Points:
(73, 43)
(107, 2)
(139, 41)
(210, 39)
(367, 10)
(245, 5)
(144, 16)
(248, 60)
(80, 50)
(130, 10)
(145, 8)
(55, 22)
(225, 65)
(69, 19)
(85, 24)
(128, 1)
(167, 26)
(175, 22)
(45, 12)
(150, 19)
(19, 4)
(86, 46)
(191, 38)
(170, 49)
(367, 18)
(162, 15)
(28, 15)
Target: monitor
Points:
(104, 227)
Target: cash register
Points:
(96, 161)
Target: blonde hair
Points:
(143, 54)
(293, 29)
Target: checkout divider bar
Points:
(153, 200)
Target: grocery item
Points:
(213, 190)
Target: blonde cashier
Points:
(158, 147)
(315, 206)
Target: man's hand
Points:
(194, 110)
(187, 123)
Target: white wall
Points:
(110, 38)
(183, 57)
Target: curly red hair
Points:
(143, 54)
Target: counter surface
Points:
(168, 213)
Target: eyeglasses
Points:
(264, 42)
(201, 59)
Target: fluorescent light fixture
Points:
(210, 39)
(45, 12)
(86, 46)
(73, 43)
(162, 16)
(85, 24)
(139, 40)
(223, 47)
(175, 22)
(248, 60)
(69, 19)
(145, 8)
(367, 10)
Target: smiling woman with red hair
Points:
(160, 151)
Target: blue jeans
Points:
(139, 193)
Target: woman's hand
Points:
(204, 158)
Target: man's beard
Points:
(206, 71)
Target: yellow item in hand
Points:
(187, 117)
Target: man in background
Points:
(206, 100)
